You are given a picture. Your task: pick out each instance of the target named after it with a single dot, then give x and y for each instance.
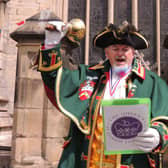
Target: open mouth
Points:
(120, 59)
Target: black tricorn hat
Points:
(123, 34)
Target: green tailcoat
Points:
(78, 93)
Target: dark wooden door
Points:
(123, 11)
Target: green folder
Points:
(123, 119)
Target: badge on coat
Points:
(86, 89)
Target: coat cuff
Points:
(162, 128)
(50, 59)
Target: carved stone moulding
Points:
(3, 99)
(3, 104)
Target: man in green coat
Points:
(77, 93)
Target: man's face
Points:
(120, 55)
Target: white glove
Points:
(53, 37)
(148, 140)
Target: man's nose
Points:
(120, 52)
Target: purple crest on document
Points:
(126, 127)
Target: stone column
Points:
(28, 114)
(38, 127)
(60, 8)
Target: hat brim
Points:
(107, 38)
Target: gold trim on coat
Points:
(62, 109)
(160, 118)
(94, 121)
(50, 68)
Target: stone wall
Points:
(6, 90)
(11, 13)
(37, 140)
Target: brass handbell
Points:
(76, 30)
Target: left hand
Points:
(148, 140)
